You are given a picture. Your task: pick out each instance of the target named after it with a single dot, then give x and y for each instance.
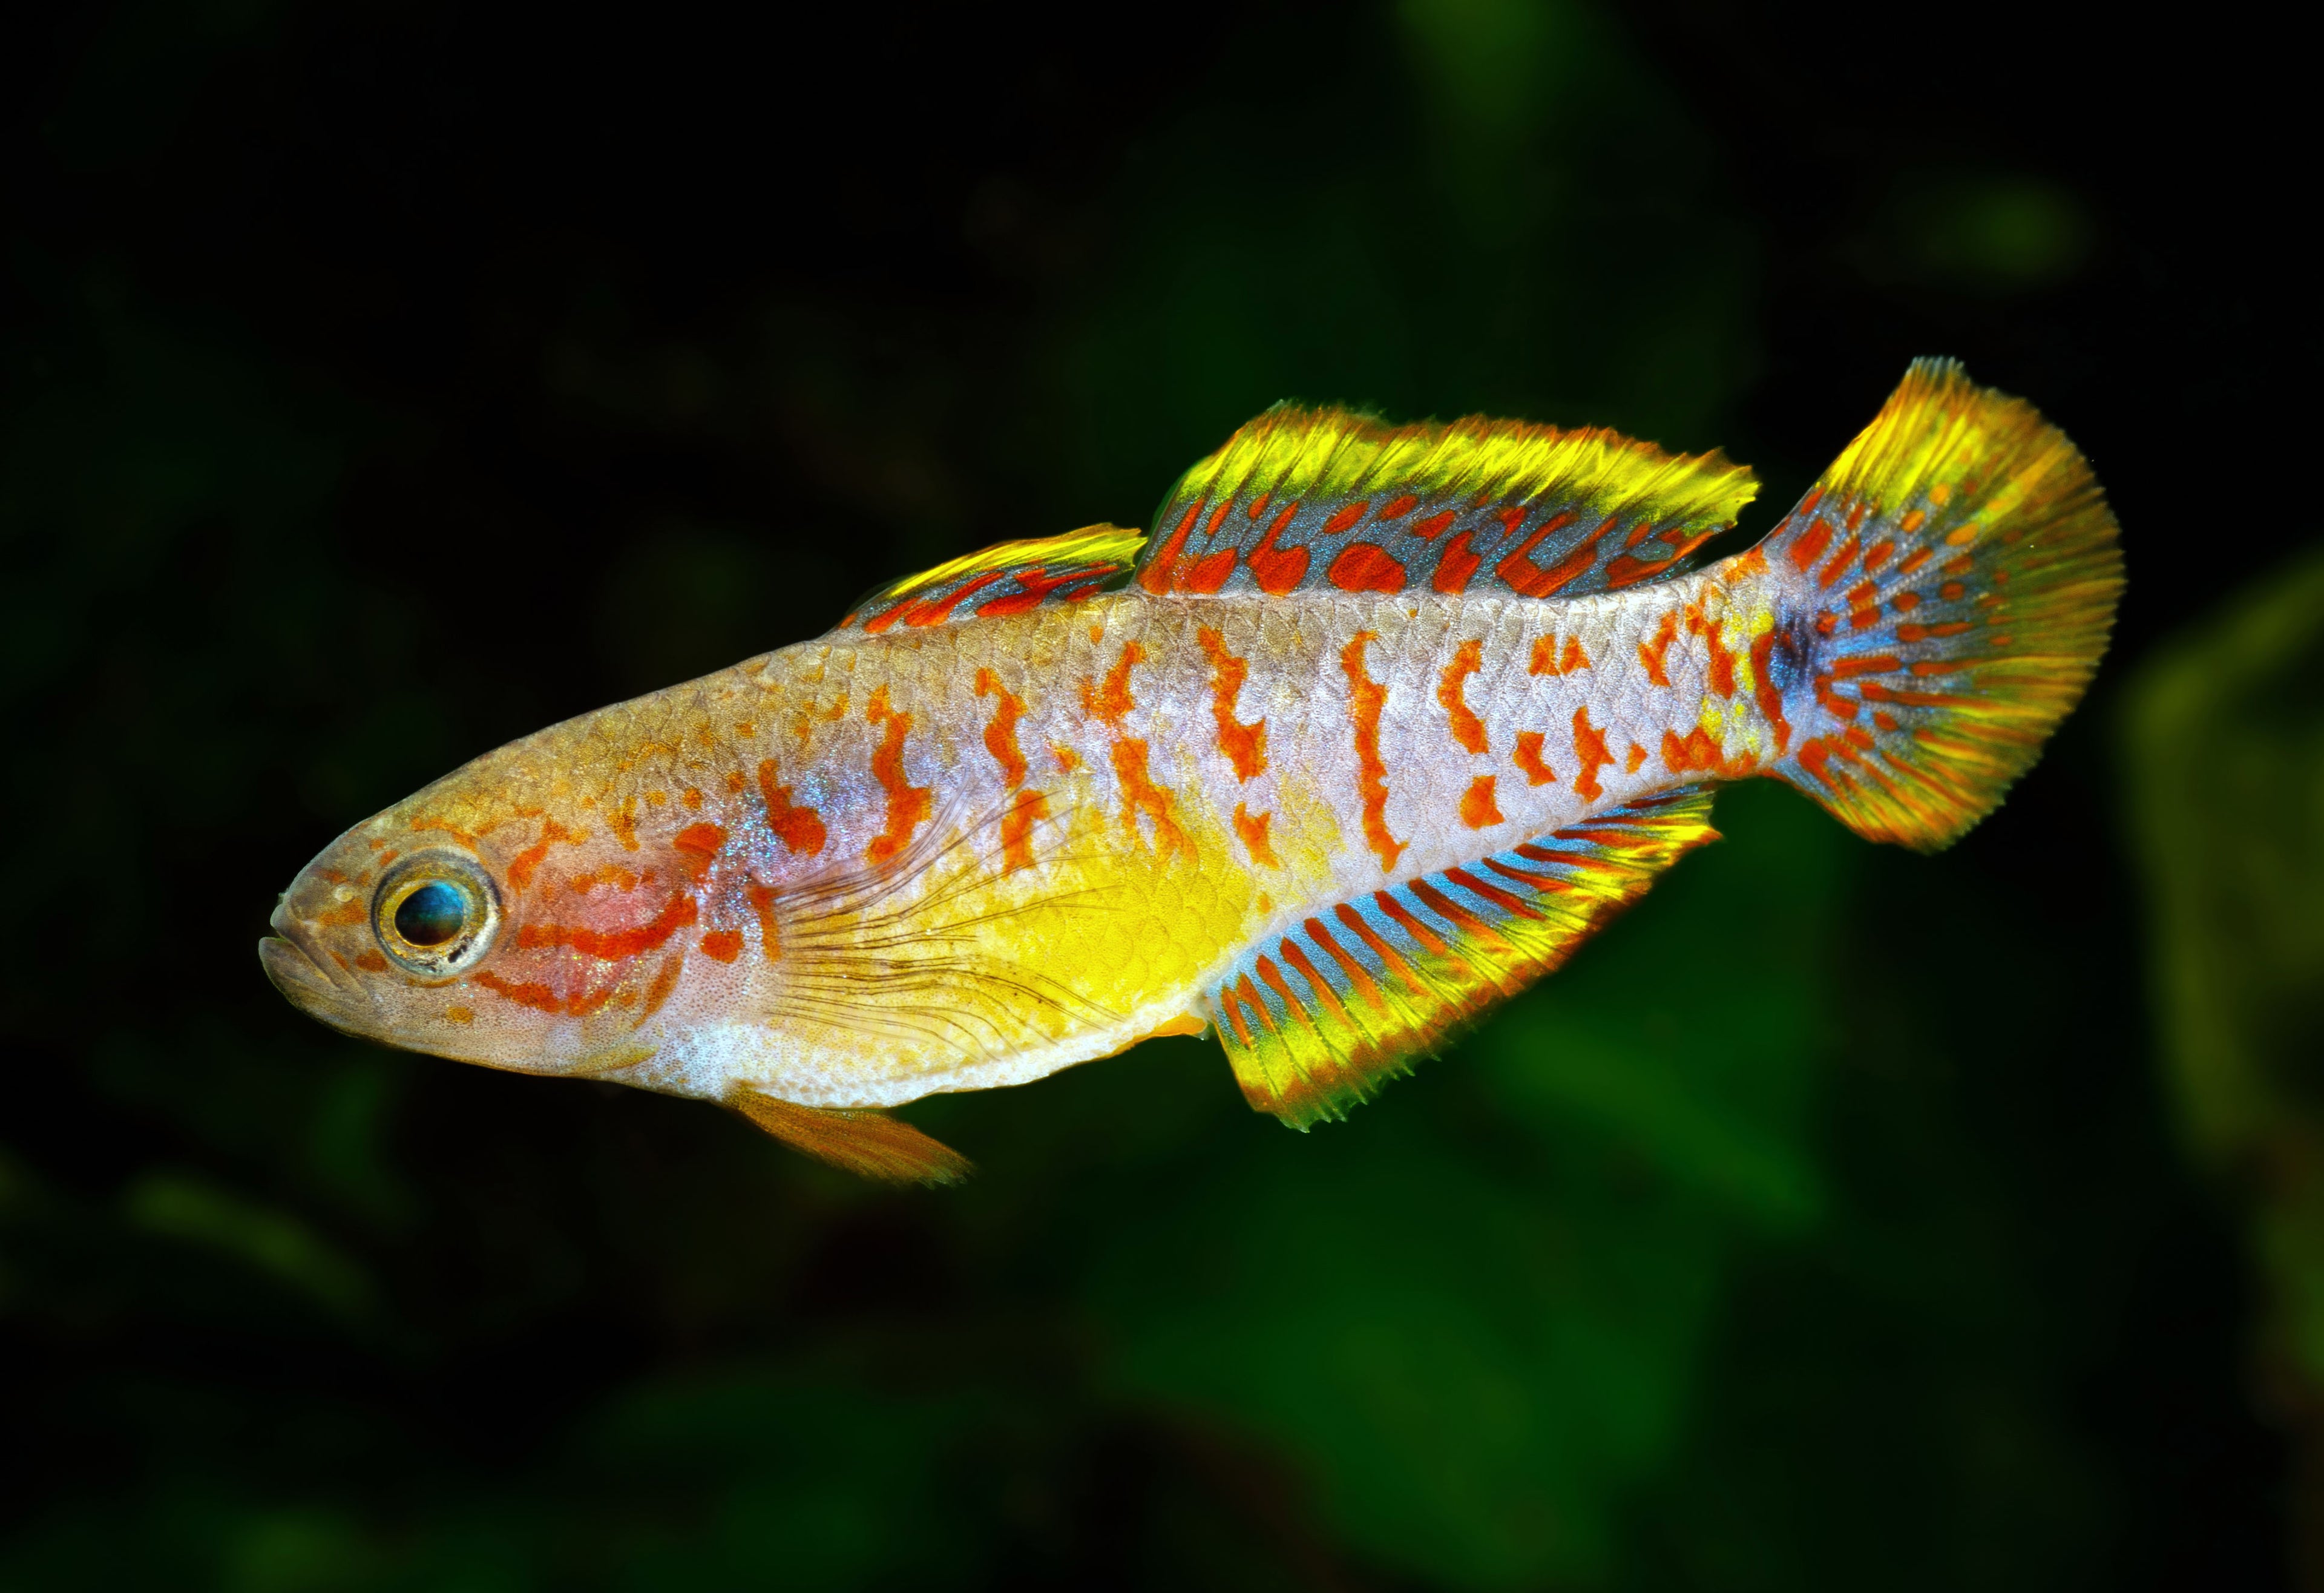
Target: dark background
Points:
(380, 382)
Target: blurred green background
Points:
(379, 381)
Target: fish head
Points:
(500, 919)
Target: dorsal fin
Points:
(1316, 1019)
(1007, 578)
(1331, 499)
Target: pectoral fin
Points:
(860, 1140)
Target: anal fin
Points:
(1317, 1019)
(858, 1139)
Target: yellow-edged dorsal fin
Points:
(1330, 499)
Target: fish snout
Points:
(308, 975)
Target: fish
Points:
(1377, 727)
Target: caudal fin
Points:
(1945, 592)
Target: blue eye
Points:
(432, 915)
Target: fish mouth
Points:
(298, 966)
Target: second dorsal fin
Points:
(1328, 499)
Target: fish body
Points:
(1378, 726)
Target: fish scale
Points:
(1378, 726)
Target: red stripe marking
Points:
(1244, 745)
(1590, 747)
(1345, 518)
(1293, 955)
(1366, 697)
(1278, 569)
(1810, 545)
(1402, 504)
(611, 946)
(1428, 528)
(1491, 893)
(1359, 978)
(1524, 576)
(1467, 730)
(1478, 809)
(1456, 567)
(1428, 938)
(909, 805)
(1001, 735)
(1528, 759)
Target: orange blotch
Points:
(909, 805)
(1590, 747)
(1656, 650)
(1001, 735)
(1253, 828)
(1366, 698)
(1528, 759)
(1634, 759)
(1244, 745)
(370, 961)
(611, 946)
(696, 845)
(1574, 657)
(1362, 567)
(345, 916)
(736, 781)
(1209, 572)
(1466, 728)
(723, 945)
(1108, 702)
(459, 1015)
(1140, 795)
(1016, 830)
(1278, 569)
(657, 799)
(527, 993)
(1911, 522)
(692, 797)
(521, 866)
(624, 822)
(800, 829)
(1695, 751)
(1545, 657)
(1478, 808)
(1067, 758)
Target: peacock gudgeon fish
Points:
(1377, 726)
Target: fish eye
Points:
(435, 914)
